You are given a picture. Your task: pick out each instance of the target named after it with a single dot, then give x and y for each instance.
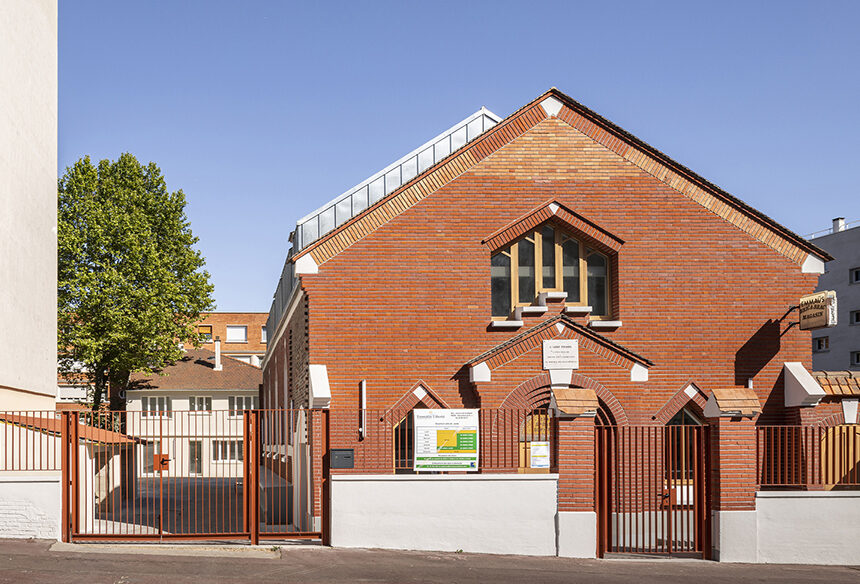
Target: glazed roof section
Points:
(336, 212)
(340, 210)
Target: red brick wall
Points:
(253, 320)
(412, 300)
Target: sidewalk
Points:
(25, 562)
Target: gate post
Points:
(576, 521)
(733, 488)
(64, 467)
(252, 470)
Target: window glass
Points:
(264, 336)
(548, 256)
(149, 450)
(195, 457)
(205, 332)
(237, 334)
(500, 281)
(597, 284)
(570, 269)
(526, 270)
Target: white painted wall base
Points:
(808, 527)
(498, 514)
(577, 534)
(30, 505)
(735, 536)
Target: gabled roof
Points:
(554, 103)
(559, 326)
(561, 214)
(196, 370)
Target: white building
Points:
(28, 198)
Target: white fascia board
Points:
(319, 390)
(638, 372)
(801, 389)
(306, 265)
(480, 372)
(812, 265)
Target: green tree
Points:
(131, 286)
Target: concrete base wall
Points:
(734, 536)
(801, 527)
(500, 514)
(30, 505)
(577, 534)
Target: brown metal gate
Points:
(194, 475)
(652, 490)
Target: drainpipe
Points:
(218, 366)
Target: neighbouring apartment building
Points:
(838, 348)
(28, 197)
(447, 280)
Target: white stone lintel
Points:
(480, 372)
(638, 372)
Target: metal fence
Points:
(382, 440)
(816, 457)
(30, 441)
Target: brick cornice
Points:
(553, 210)
(559, 327)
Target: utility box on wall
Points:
(341, 458)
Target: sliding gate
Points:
(652, 485)
(194, 475)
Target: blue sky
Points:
(262, 111)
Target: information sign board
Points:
(446, 440)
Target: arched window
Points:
(681, 445)
(548, 259)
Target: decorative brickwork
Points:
(680, 400)
(410, 399)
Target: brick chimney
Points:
(218, 366)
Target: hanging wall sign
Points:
(818, 310)
(446, 440)
(561, 354)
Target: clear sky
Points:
(263, 111)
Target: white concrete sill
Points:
(604, 323)
(436, 477)
(577, 309)
(506, 323)
(808, 494)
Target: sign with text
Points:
(561, 354)
(446, 440)
(818, 310)
(539, 455)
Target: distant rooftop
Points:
(339, 210)
(839, 225)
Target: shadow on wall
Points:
(757, 352)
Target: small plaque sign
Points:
(561, 354)
(818, 310)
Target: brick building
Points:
(242, 334)
(553, 224)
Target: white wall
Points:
(30, 505)
(28, 199)
(808, 527)
(500, 514)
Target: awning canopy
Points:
(839, 383)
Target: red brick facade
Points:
(702, 284)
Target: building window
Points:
(854, 317)
(149, 451)
(854, 276)
(227, 450)
(237, 334)
(264, 336)
(205, 332)
(195, 457)
(681, 463)
(241, 402)
(549, 260)
(200, 404)
(855, 358)
(156, 406)
(820, 344)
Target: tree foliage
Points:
(131, 286)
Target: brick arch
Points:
(680, 400)
(832, 420)
(535, 393)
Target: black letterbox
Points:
(341, 458)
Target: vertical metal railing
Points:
(808, 457)
(651, 490)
